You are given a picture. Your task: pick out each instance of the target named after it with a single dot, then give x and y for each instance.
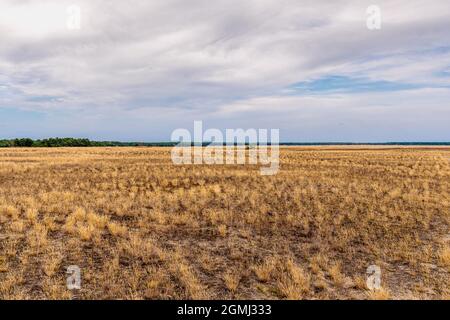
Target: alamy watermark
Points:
(73, 281)
(373, 21)
(373, 281)
(73, 21)
(237, 146)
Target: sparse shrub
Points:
(264, 271)
(444, 256)
(379, 294)
(231, 281)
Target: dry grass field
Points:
(140, 227)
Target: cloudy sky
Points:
(138, 69)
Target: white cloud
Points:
(227, 57)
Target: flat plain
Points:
(140, 227)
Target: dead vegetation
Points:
(140, 227)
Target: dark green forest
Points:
(74, 142)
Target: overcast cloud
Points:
(138, 69)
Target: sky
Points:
(137, 70)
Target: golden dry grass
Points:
(140, 227)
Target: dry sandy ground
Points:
(140, 227)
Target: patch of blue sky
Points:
(337, 83)
(444, 73)
(43, 98)
(11, 114)
(19, 123)
(441, 49)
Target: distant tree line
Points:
(74, 142)
(81, 142)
